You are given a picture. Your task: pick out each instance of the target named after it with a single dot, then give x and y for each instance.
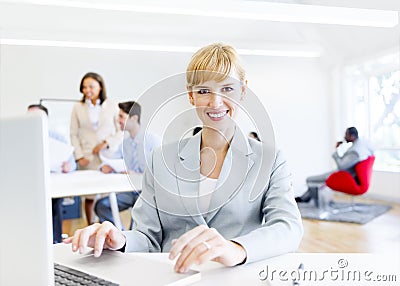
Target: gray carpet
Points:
(361, 214)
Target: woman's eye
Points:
(227, 89)
(203, 91)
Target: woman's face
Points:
(215, 101)
(91, 88)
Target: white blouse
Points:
(206, 188)
(94, 112)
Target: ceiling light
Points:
(252, 10)
(303, 53)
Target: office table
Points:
(91, 182)
(318, 269)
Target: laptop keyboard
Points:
(64, 275)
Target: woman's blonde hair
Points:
(213, 62)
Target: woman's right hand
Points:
(98, 236)
(83, 162)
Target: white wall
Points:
(31, 73)
(295, 92)
(385, 185)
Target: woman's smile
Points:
(217, 115)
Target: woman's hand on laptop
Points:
(203, 244)
(98, 236)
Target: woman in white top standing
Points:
(94, 127)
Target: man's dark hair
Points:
(353, 132)
(41, 107)
(131, 108)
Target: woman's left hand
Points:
(203, 244)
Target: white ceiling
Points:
(367, 4)
(28, 21)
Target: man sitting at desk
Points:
(65, 167)
(133, 151)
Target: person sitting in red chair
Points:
(359, 151)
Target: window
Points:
(374, 87)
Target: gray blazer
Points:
(253, 203)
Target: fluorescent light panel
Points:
(251, 10)
(154, 48)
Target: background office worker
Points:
(94, 126)
(225, 164)
(133, 151)
(360, 150)
(65, 167)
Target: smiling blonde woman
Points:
(196, 200)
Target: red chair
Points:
(344, 182)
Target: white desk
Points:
(278, 269)
(90, 182)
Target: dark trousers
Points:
(125, 200)
(57, 214)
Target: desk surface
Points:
(325, 269)
(92, 182)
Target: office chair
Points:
(344, 182)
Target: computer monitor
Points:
(25, 204)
